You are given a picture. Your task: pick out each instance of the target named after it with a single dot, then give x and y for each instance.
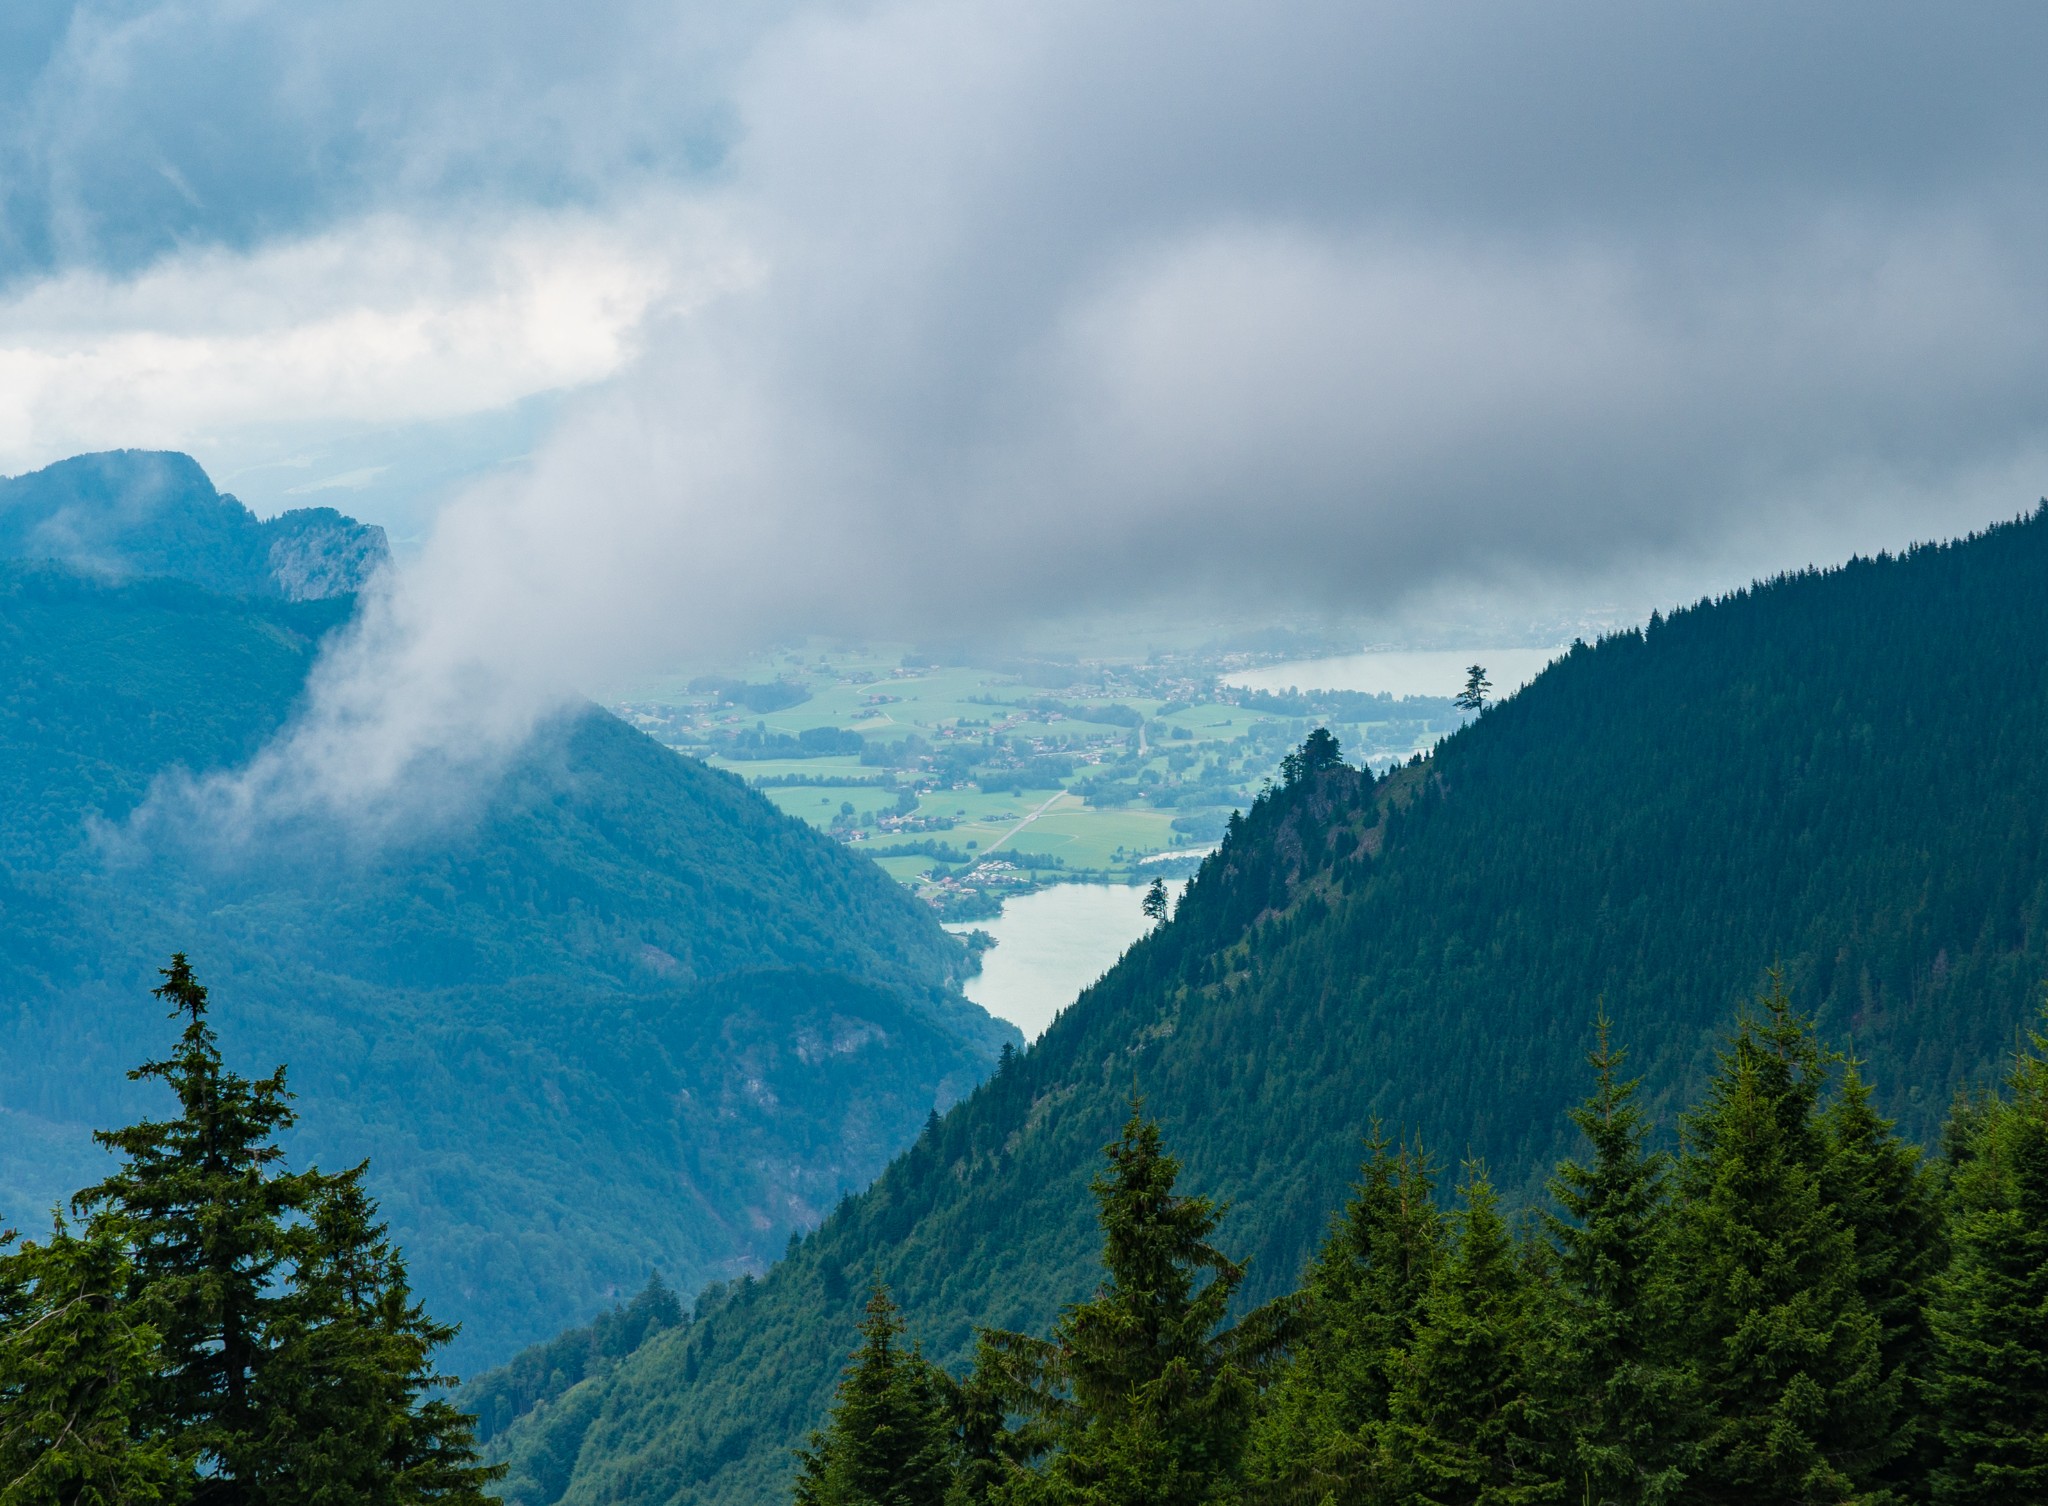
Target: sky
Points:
(655, 330)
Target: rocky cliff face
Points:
(317, 552)
(126, 514)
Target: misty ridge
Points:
(127, 516)
(580, 934)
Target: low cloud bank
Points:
(961, 317)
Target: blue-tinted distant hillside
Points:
(132, 513)
(615, 1014)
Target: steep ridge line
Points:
(1832, 769)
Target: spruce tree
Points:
(204, 1201)
(1879, 1187)
(1621, 1396)
(1141, 1397)
(75, 1373)
(1797, 1404)
(350, 1405)
(1466, 1422)
(1989, 1381)
(987, 1451)
(1359, 1302)
(290, 1363)
(889, 1441)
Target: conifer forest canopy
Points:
(1794, 777)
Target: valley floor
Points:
(970, 784)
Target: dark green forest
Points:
(531, 1015)
(1833, 772)
(1795, 1308)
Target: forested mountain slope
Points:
(1838, 770)
(616, 1014)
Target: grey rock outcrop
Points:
(316, 552)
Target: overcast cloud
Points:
(897, 318)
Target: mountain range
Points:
(1833, 773)
(611, 1014)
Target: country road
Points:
(999, 841)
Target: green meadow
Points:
(1095, 764)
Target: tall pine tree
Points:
(1142, 1397)
(889, 1441)
(351, 1407)
(1889, 1202)
(1319, 1429)
(288, 1364)
(204, 1202)
(1622, 1397)
(1467, 1424)
(1798, 1406)
(1989, 1383)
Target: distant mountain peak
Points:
(121, 514)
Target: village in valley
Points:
(972, 781)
